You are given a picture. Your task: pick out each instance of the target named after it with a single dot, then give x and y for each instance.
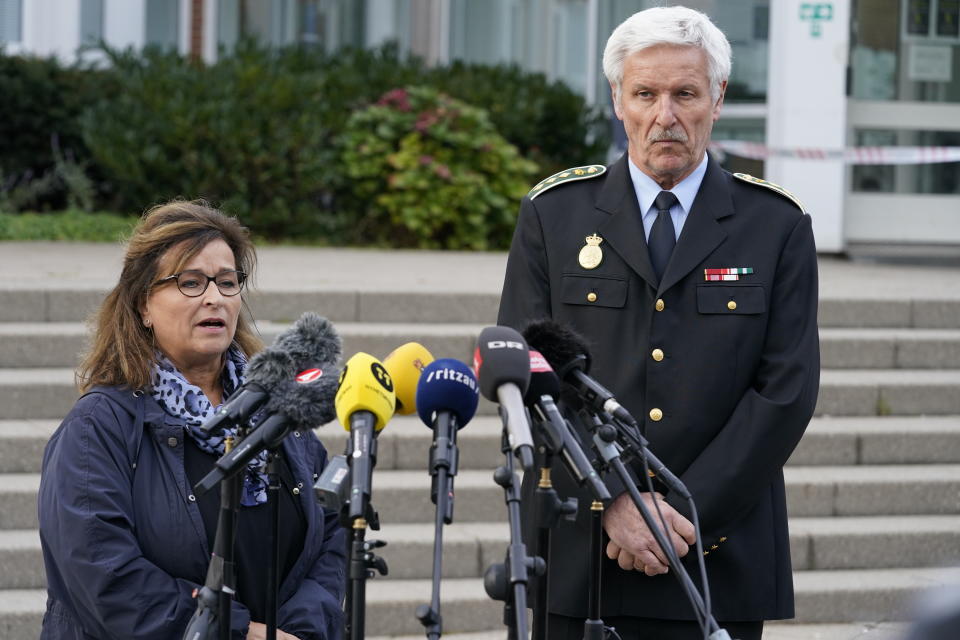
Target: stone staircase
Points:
(873, 488)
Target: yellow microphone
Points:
(405, 364)
(365, 388)
(365, 402)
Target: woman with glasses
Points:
(125, 540)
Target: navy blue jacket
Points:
(123, 540)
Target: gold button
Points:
(657, 355)
(714, 548)
(660, 305)
(656, 415)
(723, 538)
(591, 297)
(731, 305)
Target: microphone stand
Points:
(444, 457)
(273, 541)
(604, 437)
(214, 608)
(357, 515)
(499, 578)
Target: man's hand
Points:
(258, 631)
(632, 544)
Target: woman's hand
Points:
(258, 631)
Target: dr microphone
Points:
(502, 363)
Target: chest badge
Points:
(591, 255)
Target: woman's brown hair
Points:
(123, 349)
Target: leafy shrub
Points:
(433, 172)
(240, 132)
(42, 149)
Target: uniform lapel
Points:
(701, 232)
(624, 228)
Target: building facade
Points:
(810, 80)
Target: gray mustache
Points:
(672, 135)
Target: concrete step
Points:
(405, 442)
(890, 348)
(771, 631)
(37, 393)
(822, 597)
(60, 344)
(450, 303)
(403, 497)
(879, 542)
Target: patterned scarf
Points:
(185, 401)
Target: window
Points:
(906, 50)
(162, 23)
(939, 178)
(91, 21)
(11, 20)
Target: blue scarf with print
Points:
(185, 401)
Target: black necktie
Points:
(662, 237)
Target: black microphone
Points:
(567, 353)
(540, 397)
(311, 343)
(304, 403)
(502, 363)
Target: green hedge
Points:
(259, 132)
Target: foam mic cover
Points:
(562, 347)
(311, 342)
(502, 357)
(365, 385)
(543, 380)
(307, 400)
(405, 364)
(447, 385)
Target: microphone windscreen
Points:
(501, 357)
(447, 385)
(365, 385)
(405, 364)
(307, 400)
(543, 380)
(311, 342)
(558, 343)
(269, 368)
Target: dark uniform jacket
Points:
(725, 402)
(123, 540)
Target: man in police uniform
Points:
(698, 292)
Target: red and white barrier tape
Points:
(850, 155)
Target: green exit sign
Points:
(816, 13)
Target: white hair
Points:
(667, 25)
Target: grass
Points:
(71, 225)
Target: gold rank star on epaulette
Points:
(746, 177)
(567, 175)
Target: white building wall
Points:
(124, 23)
(807, 107)
(51, 28)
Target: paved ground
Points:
(54, 265)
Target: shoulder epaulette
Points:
(773, 187)
(567, 175)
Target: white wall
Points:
(51, 28)
(806, 101)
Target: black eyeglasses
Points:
(193, 283)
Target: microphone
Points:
(447, 398)
(540, 397)
(502, 362)
(567, 353)
(405, 364)
(304, 403)
(364, 403)
(310, 343)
